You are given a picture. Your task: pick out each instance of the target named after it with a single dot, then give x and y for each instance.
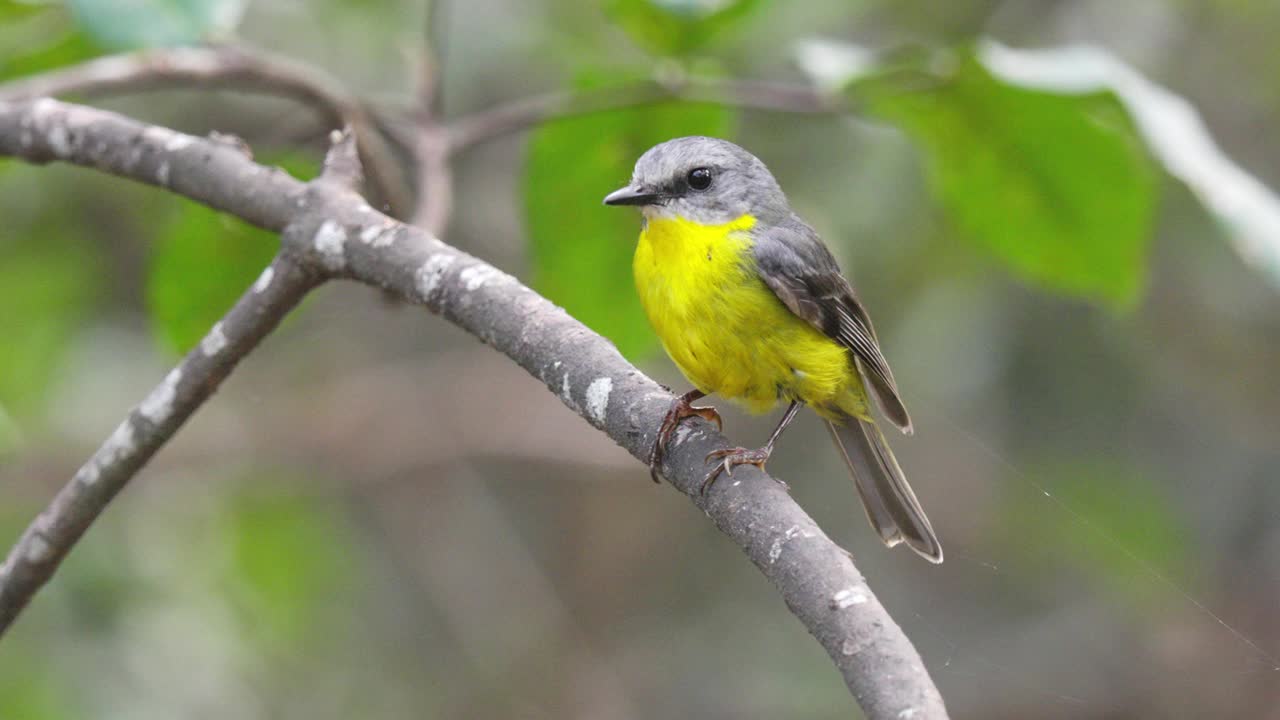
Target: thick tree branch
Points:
(220, 175)
(333, 230)
(40, 550)
(526, 112)
(229, 67)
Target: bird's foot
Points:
(729, 458)
(681, 408)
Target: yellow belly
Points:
(726, 330)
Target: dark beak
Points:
(630, 196)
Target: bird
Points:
(750, 305)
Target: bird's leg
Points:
(681, 408)
(729, 458)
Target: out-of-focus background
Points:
(380, 517)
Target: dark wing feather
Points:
(797, 266)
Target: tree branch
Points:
(434, 50)
(44, 544)
(435, 178)
(220, 175)
(524, 113)
(226, 66)
(434, 174)
(333, 229)
(230, 67)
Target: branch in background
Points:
(435, 178)
(434, 143)
(167, 68)
(434, 37)
(430, 142)
(522, 114)
(151, 424)
(332, 229)
(365, 443)
(230, 67)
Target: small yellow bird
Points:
(750, 304)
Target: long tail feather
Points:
(891, 506)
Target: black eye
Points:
(700, 178)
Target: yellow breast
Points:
(726, 330)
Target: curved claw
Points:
(729, 458)
(681, 408)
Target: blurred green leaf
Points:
(1056, 186)
(48, 282)
(289, 559)
(29, 684)
(35, 37)
(581, 249)
(134, 24)
(201, 264)
(1174, 132)
(677, 27)
(1110, 522)
(17, 9)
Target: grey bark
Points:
(333, 232)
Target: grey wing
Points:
(800, 270)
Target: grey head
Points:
(704, 179)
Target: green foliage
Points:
(1174, 133)
(155, 23)
(677, 27)
(1056, 186)
(36, 37)
(202, 262)
(288, 560)
(581, 249)
(48, 283)
(27, 689)
(1119, 524)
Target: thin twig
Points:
(332, 228)
(522, 114)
